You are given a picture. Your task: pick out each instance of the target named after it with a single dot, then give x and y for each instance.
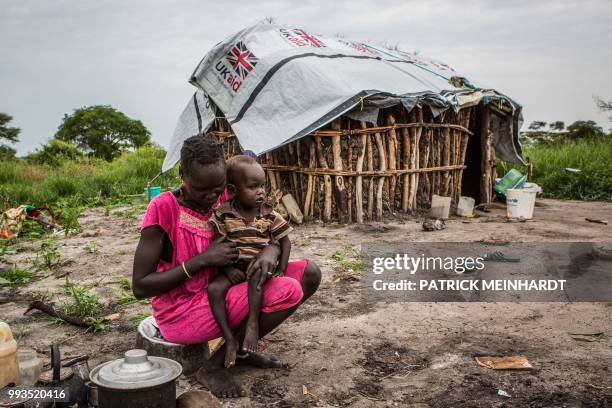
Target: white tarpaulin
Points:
(275, 84)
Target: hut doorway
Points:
(470, 181)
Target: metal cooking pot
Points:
(137, 381)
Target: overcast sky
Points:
(55, 56)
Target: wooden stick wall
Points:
(355, 171)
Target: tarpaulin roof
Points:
(275, 84)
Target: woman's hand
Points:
(220, 253)
(265, 262)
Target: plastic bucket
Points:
(520, 203)
(154, 191)
(465, 206)
(440, 206)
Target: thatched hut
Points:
(351, 130)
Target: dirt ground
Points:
(342, 351)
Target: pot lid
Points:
(136, 370)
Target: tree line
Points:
(94, 131)
(539, 132)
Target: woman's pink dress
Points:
(183, 314)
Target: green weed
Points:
(140, 317)
(92, 247)
(15, 276)
(48, 256)
(80, 301)
(347, 257)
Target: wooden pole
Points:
(370, 163)
(327, 201)
(405, 165)
(359, 181)
(298, 151)
(382, 161)
(271, 176)
(414, 161)
(485, 164)
(349, 190)
(288, 153)
(339, 187)
(392, 161)
(312, 163)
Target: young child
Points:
(252, 224)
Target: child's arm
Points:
(285, 245)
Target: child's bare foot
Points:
(231, 348)
(251, 336)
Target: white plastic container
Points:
(440, 206)
(465, 206)
(30, 366)
(520, 203)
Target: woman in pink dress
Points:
(176, 259)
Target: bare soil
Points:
(341, 350)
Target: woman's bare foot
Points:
(221, 383)
(251, 336)
(260, 360)
(231, 348)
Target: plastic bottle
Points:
(30, 366)
(9, 362)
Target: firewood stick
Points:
(381, 180)
(392, 161)
(51, 311)
(359, 181)
(406, 165)
(370, 164)
(339, 185)
(327, 202)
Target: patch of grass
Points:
(15, 276)
(92, 247)
(592, 157)
(303, 242)
(125, 283)
(48, 256)
(72, 185)
(121, 252)
(309, 218)
(80, 301)
(140, 317)
(133, 212)
(19, 332)
(97, 324)
(348, 258)
(126, 299)
(125, 295)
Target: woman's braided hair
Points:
(203, 149)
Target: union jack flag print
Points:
(242, 60)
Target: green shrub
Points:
(591, 157)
